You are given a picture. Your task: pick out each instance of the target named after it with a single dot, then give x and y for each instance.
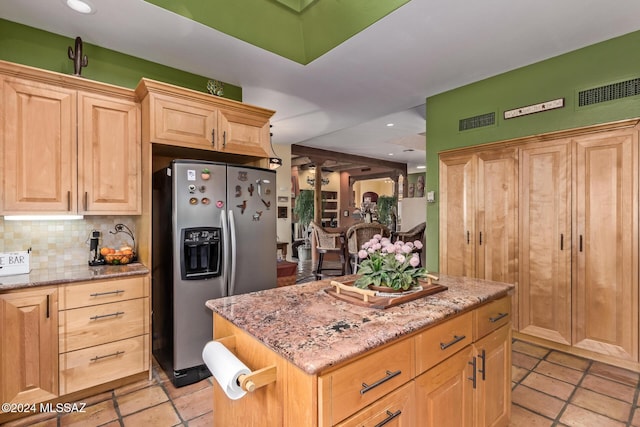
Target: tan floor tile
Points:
(523, 361)
(134, 387)
(536, 401)
(175, 392)
(601, 404)
(635, 421)
(529, 349)
(614, 373)
(518, 373)
(100, 413)
(608, 387)
(559, 372)
(557, 388)
(158, 416)
(195, 404)
(568, 360)
(522, 417)
(205, 420)
(35, 419)
(575, 416)
(141, 399)
(112, 424)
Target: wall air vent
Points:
(482, 120)
(609, 92)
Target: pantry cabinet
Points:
(29, 345)
(186, 118)
(478, 215)
(69, 146)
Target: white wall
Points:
(411, 212)
(283, 189)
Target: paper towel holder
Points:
(256, 379)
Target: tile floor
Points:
(550, 388)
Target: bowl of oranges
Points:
(121, 256)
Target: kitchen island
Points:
(443, 359)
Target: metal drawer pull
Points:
(456, 338)
(483, 356)
(390, 416)
(99, 294)
(101, 316)
(498, 317)
(366, 388)
(473, 377)
(116, 354)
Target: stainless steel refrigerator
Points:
(214, 235)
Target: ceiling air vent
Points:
(482, 120)
(609, 92)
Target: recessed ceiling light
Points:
(80, 6)
(391, 154)
(389, 124)
(421, 167)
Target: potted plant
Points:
(386, 207)
(394, 266)
(304, 210)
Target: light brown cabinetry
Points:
(185, 118)
(68, 149)
(471, 387)
(426, 376)
(29, 345)
(104, 332)
(579, 242)
(479, 216)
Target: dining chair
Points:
(357, 235)
(328, 242)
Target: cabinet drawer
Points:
(396, 408)
(438, 343)
(97, 365)
(102, 291)
(351, 388)
(491, 316)
(90, 326)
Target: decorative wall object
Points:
(282, 211)
(215, 87)
(79, 60)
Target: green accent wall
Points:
(37, 48)
(563, 76)
(297, 30)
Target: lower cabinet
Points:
(62, 339)
(29, 345)
(456, 373)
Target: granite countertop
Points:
(57, 276)
(314, 331)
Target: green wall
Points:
(29, 46)
(564, 76)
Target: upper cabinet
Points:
(185, 118)
(68, 145)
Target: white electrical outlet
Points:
(536, 108)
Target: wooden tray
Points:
(367, 298)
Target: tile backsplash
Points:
(63, 242)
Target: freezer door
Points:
(251, 196)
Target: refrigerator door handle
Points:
(226, 249)
(233, 263)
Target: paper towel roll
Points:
(225, 368)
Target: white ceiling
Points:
(343, 100)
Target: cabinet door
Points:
(109, 166)
(457, 215)
(545, 241)
(493, 379)
(39, 148)
(444, 394)
(606, 244)
(242, 133)
(29, 346)
(181, 122)
(496, 215)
